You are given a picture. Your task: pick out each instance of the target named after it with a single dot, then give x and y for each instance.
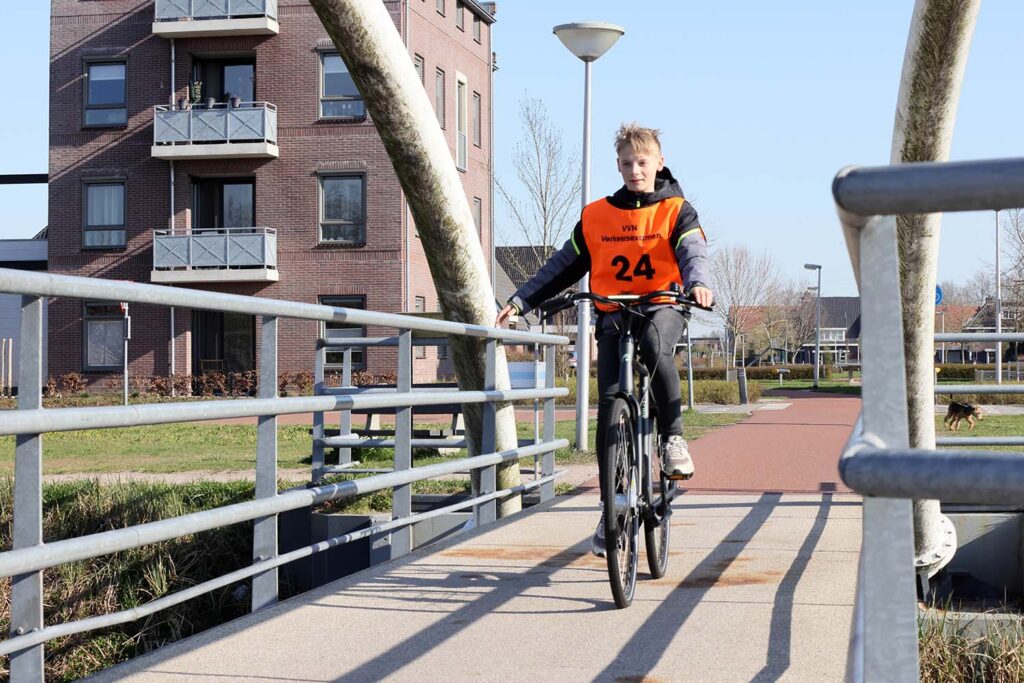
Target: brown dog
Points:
(958, 412)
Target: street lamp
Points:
(587, 40)
(817, 322)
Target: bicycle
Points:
(632, 448)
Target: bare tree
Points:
(742, 281)
(933, 68)
(379, 64)
(550, 177)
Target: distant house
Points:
(983, 319)
(840, 331)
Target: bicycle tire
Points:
(657, 528)
(621, 511)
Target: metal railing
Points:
(215, 248)
(176, 10)
(29, 556)
(7, 366)
(221, 123)
(878, 462)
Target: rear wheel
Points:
(657, 527)
(621, 518)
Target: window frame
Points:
(323, 54)
(86, 319)
(477, 29)
(478, 215)
(461, 122)
(420, 65)
(325, 300)
(321, 177)
(460, 16)
(440, 79)
(439, 5)
(477, 114)
(87, 64)
(123, 227)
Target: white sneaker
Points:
(677, 458)
(597, 545)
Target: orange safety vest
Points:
(630, 249)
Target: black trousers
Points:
(656, 343)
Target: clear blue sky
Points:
(761, 104)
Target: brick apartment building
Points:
(266, 178)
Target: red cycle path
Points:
(791, 450)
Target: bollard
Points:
(741, 380)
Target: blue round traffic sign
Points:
(938, 295)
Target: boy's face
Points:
(639, 169)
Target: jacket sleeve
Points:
(691, 247)
(565, 267)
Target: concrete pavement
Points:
(760, 587)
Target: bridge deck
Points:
(760, 587)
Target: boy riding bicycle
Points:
(644, 238)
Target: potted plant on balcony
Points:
(195, 91)
(235, 100)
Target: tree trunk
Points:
(396, 101)
(933, 69)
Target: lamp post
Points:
(999, 310)
(817, 322)
(942, 317)
(587, 40)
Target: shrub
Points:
(161, 386)
(51, 387)
(283, 379)
(182, 384)
(303, 382)
(243, 383)
(959, 372)
(72, 384)
(704, 391)
(141, 385)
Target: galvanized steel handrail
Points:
(70, 419)
(930, 187)
(47, 284)
(30, 555)
(21, 561)
(877, 461)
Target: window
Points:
(343, 209)
(440, 7)
(104, 210)
(103, 332)
(833, 335)
(461, 117)
(476, 28)
(339, 97)
(105, 94)
(419, 307)
(418, 63)
(439, 96)
(478, 112)
(330, 330)
(460, 16)
(478, 214)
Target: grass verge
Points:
(951, 651)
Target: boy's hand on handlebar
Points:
(702, 296)
(504, 314)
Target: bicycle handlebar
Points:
(622, 301)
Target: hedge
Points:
(762, 372)
(704, 391)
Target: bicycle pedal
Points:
(678, 477)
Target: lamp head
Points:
(812, 266)
(588, 40)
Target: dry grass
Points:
(951, 652)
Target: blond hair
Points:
(641, 140)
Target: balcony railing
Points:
(215, 255)
(194, 18)
(222, 130)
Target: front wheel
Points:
(621, 502)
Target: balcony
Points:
(210, 18)
(221, 131)
(215, 255)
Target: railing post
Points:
(547, 468)
(345, 420)
(264, 538)
(487, 512)
(27, 589)
(401, 506)
(319, 389)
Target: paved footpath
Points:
(760, 587)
